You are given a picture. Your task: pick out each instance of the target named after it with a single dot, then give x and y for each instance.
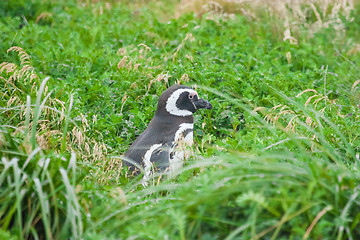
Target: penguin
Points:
(162, 146)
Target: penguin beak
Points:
(201, 103)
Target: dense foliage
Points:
(276, 158)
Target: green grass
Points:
(276, 158)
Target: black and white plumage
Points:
(161, 145)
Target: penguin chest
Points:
(170, 155)
(181, 147)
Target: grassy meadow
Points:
(278, 156)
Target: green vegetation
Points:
(278, 157)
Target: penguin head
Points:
(181, 101)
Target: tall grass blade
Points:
(44, 206)
(73, 208)
(27, 118)
(67, 117)
(37, 112)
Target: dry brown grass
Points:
(283, 115)
(17, 78)
(24, 72)
(22, 78)
(138, 58)
(289, 15)
(295, 119)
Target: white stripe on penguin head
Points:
(171, 103)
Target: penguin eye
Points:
(192, 95)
